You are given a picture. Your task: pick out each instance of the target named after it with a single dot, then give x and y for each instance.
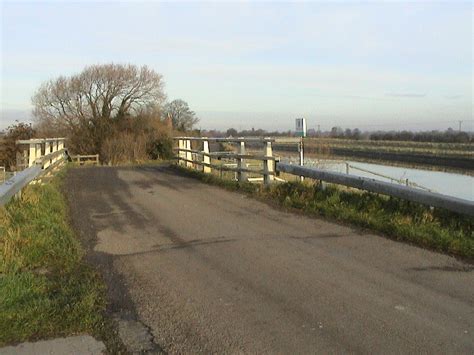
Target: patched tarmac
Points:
(211, 271)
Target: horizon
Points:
(372, 66)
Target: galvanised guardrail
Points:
(42, 155)
(428, 198)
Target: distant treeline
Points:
(448, 136)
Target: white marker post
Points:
(301, 132)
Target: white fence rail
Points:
(202, 156)
(86, 159)
(43, 155)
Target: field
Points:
(441, 155)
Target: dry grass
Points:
(124, 148)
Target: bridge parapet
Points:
(39, 158)
(242, 162)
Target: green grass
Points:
(436, 229)
(46, 289)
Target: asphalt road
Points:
(213, 271)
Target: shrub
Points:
(9, 147)
(124, 147)
(136, 139)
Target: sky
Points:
(371, 65)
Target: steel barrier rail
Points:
(14, 185)
(433, 199)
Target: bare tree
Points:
(90, 102)
(181, 115)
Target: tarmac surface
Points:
(212, 271)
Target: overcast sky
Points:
(259, 64)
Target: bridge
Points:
(213, 271)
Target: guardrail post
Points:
(322, 185)
(189, 155)
(18, 194)
(241, 175)
(206, 158)
(268, 165)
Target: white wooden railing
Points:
(42, 156)
(201, 156)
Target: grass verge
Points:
(436, 229)
(46, 289)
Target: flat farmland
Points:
(437, 155)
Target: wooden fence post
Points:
(268, 165)
(54, 149)
(47, 150)
(180, 153)
(241, 175)
(38, 150)
(189, 155)
(206, 158)
(32, 154)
